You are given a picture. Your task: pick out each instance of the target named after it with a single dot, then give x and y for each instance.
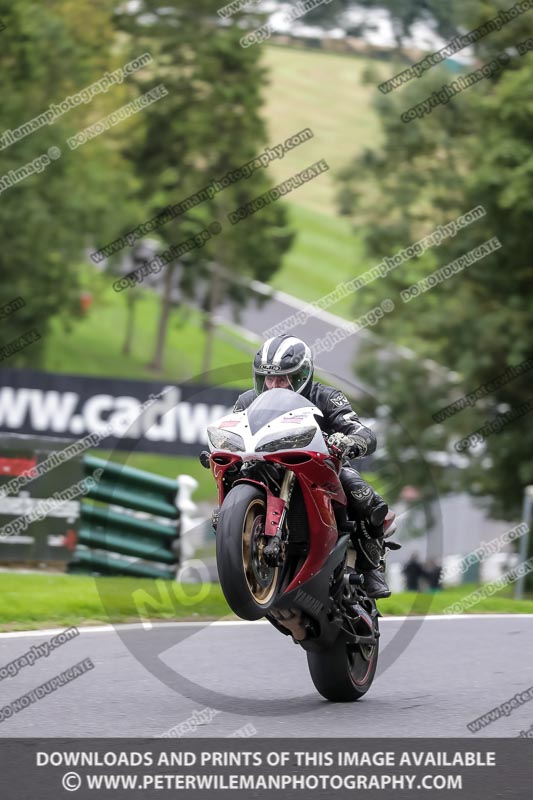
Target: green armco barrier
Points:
(103, 529)
(130, 475)
(132, 488)
(98, 517)
(143, 547)
(87, 561)
(131, 498)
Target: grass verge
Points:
(33, 601)
(406, 603)
(93, 346)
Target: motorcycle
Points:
(282, 535)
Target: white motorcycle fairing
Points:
(278, 420)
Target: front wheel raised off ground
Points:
(248, 583)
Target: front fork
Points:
(271, 552)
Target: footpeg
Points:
(354, 579)
(348, 527)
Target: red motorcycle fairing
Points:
(320, 484)
(275, 505)
(219, 469)
(319, 480)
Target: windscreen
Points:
(269, 405)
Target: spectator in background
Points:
(413, 571)
(432, 574)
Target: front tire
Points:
(248, 584)
(344, 673)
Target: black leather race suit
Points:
(339, 417)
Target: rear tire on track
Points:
(248, 584)
(344, 673)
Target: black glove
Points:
(341, 445)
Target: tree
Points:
(208, 125)
(48, 218)
(475, 150)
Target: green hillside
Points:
(325, 92)
(325, 252)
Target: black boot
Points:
(375, 584)
(370, 561)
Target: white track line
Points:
(321, 314)
(226, 623)
(339, 322)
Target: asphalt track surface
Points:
(436, 675)
(277, 307)
(339, 360)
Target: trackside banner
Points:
(73, 406)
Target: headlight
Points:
(225, 440)
(291, 441)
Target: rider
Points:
(285, 362)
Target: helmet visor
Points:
(297, 377)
